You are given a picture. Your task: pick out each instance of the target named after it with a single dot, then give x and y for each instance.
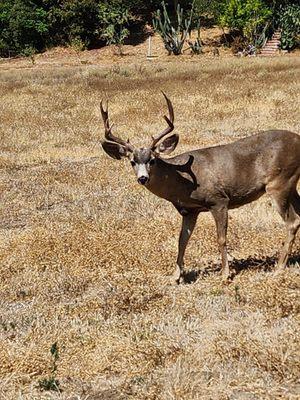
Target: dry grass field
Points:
(86, 252)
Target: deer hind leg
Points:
(188, 225)
(288, 205)
(220, 215)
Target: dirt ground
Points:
(86, 252)
(132, 54)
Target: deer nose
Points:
(143, 180)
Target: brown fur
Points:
(223, 177)
(220, 178)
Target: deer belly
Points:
(239, 198)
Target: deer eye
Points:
(132, 163)
(152, 161)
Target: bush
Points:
(75, 20)
(246, 16)
(114, 17)
(23, 25)
(289, 22)
(211, 9)
(38, 24)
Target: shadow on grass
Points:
(265, 264)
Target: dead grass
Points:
(85, 252)
(108, 55)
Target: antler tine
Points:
(108, 134)
(169, 120)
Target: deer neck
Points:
(162, 179)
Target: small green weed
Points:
(51, 383)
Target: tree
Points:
(23, 25)
(74, 20)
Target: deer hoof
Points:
(174, 281)
(227, 279)
(177, 278)
(279, 270)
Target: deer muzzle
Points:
(143, 180)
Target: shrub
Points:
(289, 22)
(247, 16)
(22, 25)
(75, 20)
(114, 17)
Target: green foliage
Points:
(247, 16)
(173, 35)
(141, 9)
(51, 383)
(30, 53)
(114, 17)
(30, 26)
(196, 46)
(77, 44)
(73, 20)
(289, 22)
(212, 8)
(23, 24)
(37, 24)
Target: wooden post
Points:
(149, 31)
(149, 55)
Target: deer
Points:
(216, 179)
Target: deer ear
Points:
(168, 145)
(114, 150)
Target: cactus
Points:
(196, 46)
(172, 37)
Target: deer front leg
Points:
(220, 215)
(188, 224)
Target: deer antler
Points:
(108, 134)
(170, 122)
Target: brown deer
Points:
(217, 179)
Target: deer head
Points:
(142, 159)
